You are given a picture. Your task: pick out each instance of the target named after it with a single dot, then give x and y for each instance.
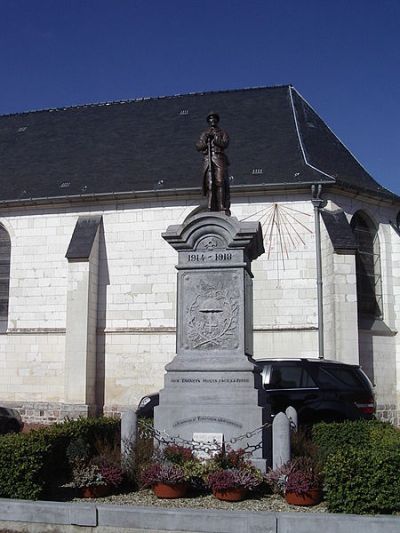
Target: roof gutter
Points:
(236, 190)
(150, 193)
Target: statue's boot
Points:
(220, 199)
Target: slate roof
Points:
(339, 230)
(277, 140)
(80, 246)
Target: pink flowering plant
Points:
(221, 480)
(300, 475)
(93, 471)
(162, 473)
(230, 469)
(171, 465)
(304, 476)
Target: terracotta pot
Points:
(95, 492)
(231, 495)
(312, 497)
(163, 490)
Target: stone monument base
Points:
(211, 386)
(214, 402)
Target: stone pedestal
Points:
(211, 386)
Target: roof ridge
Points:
(140, 99)
(300, 139)
(339, 139)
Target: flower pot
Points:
(163, 490)
(231, 495)
(312, 497)
(96, 491)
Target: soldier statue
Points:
(212, 143)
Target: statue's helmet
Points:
(213, 114)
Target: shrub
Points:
(301, 444)
(363, 480)
(361, 433)
(139, 454)
(31, 463)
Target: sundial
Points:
(282, 229)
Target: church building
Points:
(88, 285)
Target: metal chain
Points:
(166, 439)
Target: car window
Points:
(339, 378)
(290, 377)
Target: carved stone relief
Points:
(211, 311)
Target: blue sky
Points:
(343, 56)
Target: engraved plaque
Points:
(211, 311)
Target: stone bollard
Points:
(280, 440)
(291, 413)
(128, 433)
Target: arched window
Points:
(5, 253)
(368, 266)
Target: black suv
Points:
(10, 421)
(320, 390)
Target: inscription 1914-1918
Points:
(205, 257)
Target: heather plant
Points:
(304, 475)
(230, 469)
(227, 458)
(111, 472)
(171, 465)
(277, 478)
(234, 478)
(87, 475)
(169, 474)
(300, 475)
(177, 455)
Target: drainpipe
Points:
(318, 204)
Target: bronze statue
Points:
(212, 144)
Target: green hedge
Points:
(31, 463)
(360, 433)
(361, 466)
(363, 480)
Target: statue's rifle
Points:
(209, 175)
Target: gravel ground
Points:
(146, 498)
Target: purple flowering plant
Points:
(221, 480)
(170, 465)
(162, 473)
(300, 475)
(304, 476)
(230, 469)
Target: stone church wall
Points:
(136, 310)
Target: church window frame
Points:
(368, 266)
(5, 262)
